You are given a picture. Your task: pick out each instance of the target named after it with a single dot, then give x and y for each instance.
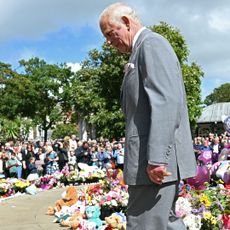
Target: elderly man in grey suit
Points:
(158, 150)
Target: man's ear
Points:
(126, 21)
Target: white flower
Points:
(114, 203)
(128, 67)
(183, 207)
(192, 222)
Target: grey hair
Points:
(117, 10)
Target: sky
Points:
(64, 31)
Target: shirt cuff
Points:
(156, 164)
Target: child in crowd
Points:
(119, 156)
(39, 161)
(32, 169)
(103, 158)
(51, 159)
(93, 156)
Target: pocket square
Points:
(128, 67)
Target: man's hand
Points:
(157, 173)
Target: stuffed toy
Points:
(92, 215)
(116, 221)
(65, 213)
(69, 198)
(73, 222)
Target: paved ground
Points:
(27, 212)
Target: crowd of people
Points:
(33, 159)
(212, 143)
(29, 160)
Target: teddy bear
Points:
(92, 215)
(116, 221)
(69, 198)
(74, 221)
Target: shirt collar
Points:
(137, 35)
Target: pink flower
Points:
(109, 198)
(180, 213)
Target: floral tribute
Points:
(204, 209)
(110, 194)
(11, 186)
(201, 206)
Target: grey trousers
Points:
(152, 207)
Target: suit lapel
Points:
(132, 57)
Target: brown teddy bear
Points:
(69, 198)
(115, 222)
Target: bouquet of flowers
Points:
(5, 188)
(20, 185)
(46, 182)
(73, 177)
(109, 195)
(205, 209)
(115, 200)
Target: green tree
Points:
(41, 92)
(49, 92)
(13, 104)
(9, 129)
(96, 91)
(62, 130)
(220, 94)
(16, 94)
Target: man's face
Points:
(117, 36)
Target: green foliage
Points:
(220, 94)
(62, 130)
(16, 129)
(96, 91)
(9, 129)
(13, 91)
(49, 94)
(26, 125)
(40, 93)
(192, 80)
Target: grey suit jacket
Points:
(154, 104)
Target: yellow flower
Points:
(89, 198)
(213, 220)
(207, 215)
(205, 200)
